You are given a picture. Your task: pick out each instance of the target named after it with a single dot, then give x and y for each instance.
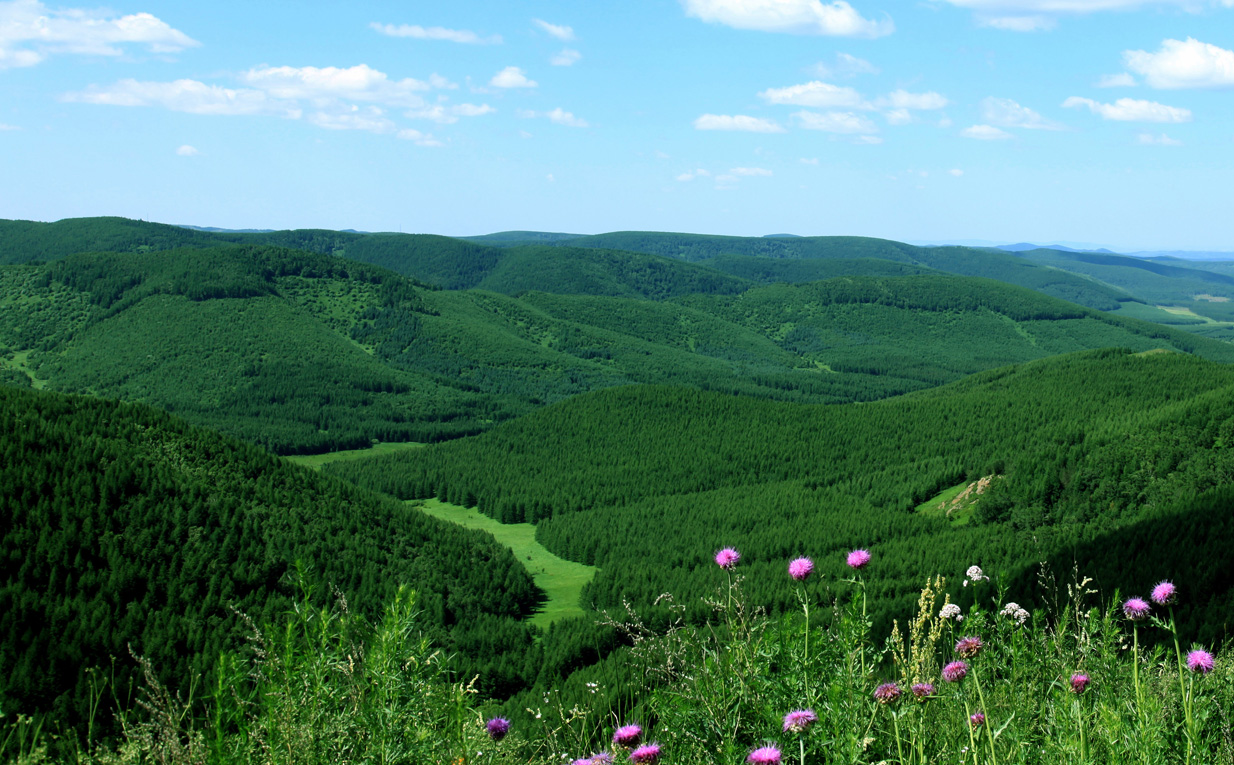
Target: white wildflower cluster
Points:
(1013, 611)
(975, 574)
(951, 611)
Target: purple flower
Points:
(955, 671)
(647, 753)
(1164, 593)
(601, 758)
(581, 761)
(969, 647)
(627, 735)
(1200, 661)
(858, 559)
(764, 755)
(887, 693)
(922, 690)
(800, 568)
(497, 728)
(727, 558)
(1079, 682)
(798, 720)
(977, 720)
(1136, 609)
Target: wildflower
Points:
(581, 761)
(601, 758)
(727, 558)
(969, 647)
(858, 559)
(497, 728)
(1079, 682)
(1164, 593)
(764, 755)
(955, 671)
(977, 720)
(1014, 612)
(627, 735)
(800, 568)
(976, 574)
(646, 754)
(1200, 661)
(887, 693)
(922, 690)
(951, 611)
(1136, 609)
(798, 720)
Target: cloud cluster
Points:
(844, 103)
(1184, 64)
(512, 77)
(802, 17)
(1131, 110)
(333, 98)
(417, 32)
(1007, 113)
(560, 32)
(737, 122)
(30, 32)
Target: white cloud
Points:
(189, 96)
(567, 57)
(835, 122)
(902, 99)
(739, 122)
(420, 139)
(808, 160)
(1018, 23)
(560, 116)
(29, 32)
(751, 171)
(898, 116)
(1121, 80)
(1132, 110)
(446, 114)
(4, 127)
(512, 77)
(560, 32)
(415, 31)
(690, 175)
(846, 66)
(187, 151)
(1007, 113)
(955, 171)
(1184, 64)
(357, 83)
(1148, 139)
(803, 17)
(369, 118)
(985, 133)
(817, 94)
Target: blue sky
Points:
(1101, 121)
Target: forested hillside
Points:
(638, 480)
(122, 526)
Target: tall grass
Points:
(1071, 683)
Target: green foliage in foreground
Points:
(323, 685)
(121, 526)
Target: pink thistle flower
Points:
(798, 720)
(628, 735)
(1079, 682)
(1200, 661)
(1136, 609)
(764, 755)
(955, 671)
(858, 559)
(646, 754)
(727, 558)
(497, 728)
(581, 761)
(887, 693)
(977, 720)
(969, 647)
(1164, 593)
(800, 568)
(923, 690)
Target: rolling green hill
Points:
(645, 482)
(122, 526)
